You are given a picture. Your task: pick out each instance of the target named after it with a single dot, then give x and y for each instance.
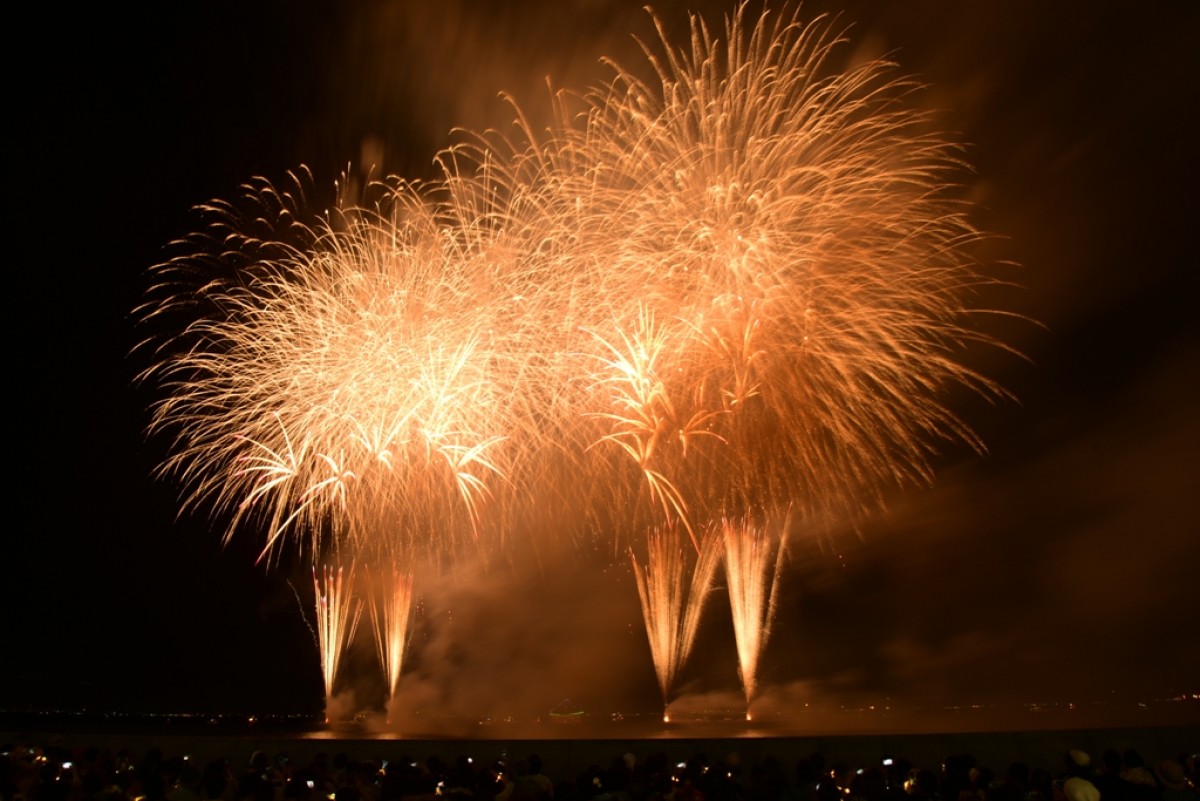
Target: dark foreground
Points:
(568, 748)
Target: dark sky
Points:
(1061, 566)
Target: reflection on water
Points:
(350, 730)
(808, 721)
(803, 721)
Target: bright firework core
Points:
(700, 316)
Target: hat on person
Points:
(1139, 775)
(1077, 789)
(1169, 774)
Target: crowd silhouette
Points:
(35, 773)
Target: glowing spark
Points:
(337, 618)
(391, 595)
(673, 585)
(752, 563)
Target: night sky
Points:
(1058, 567)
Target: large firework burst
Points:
(734, 282)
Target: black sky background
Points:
(1059, 567)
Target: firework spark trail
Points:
(391, 596)
(337, 618)
(673, 585)
(753, 558)
(645, 421)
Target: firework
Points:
(786, 276)
(348, 384)
(748, 276)
(673, 585)
(753, 558)
(390, 603)
(645, 420)
(337, 618)
(791, 232)
(732, 281)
